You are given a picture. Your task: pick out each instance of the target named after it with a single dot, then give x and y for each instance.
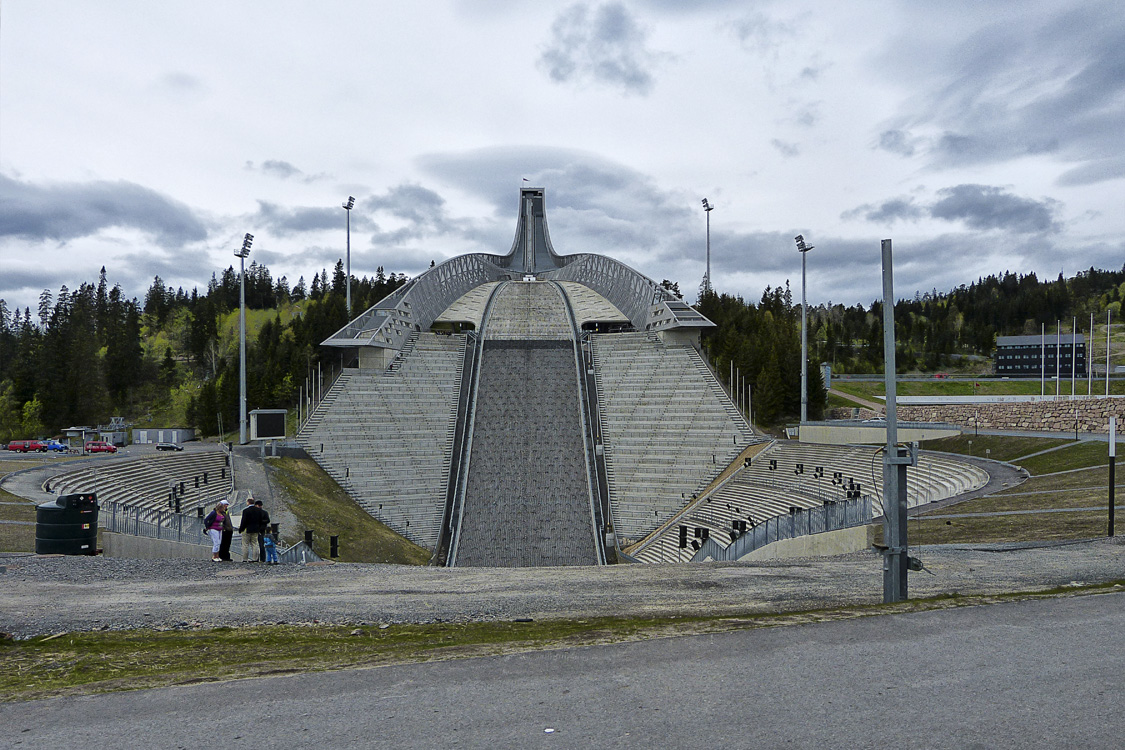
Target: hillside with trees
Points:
(172, 359)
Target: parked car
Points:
(56, 446)
(25, 446)
(100, 446)
(169, 447)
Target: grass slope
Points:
(321, 505)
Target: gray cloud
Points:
(985, 207)
(65, 211)
(887, 211)
(288, 221)
(1094, 171)
(282, 170)
(785, 148)
(979, 207)
(1029, 83)
(897, 142)
(604, 44)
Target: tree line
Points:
(172, 359)
(933, 331)
(92, 352)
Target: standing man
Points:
(227, 532)
(251, 529)
(265, 529)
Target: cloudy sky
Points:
(982, 137)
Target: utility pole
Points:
(896, 458)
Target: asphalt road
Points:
(1046, 673)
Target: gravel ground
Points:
(47, 594)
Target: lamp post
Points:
(242, 254)
(707, 209)
(348, 205)
(802, 248)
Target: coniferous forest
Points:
(171, 359)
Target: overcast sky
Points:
(148, 137)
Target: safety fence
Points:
(120, 518)
(832, 516)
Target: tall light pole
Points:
(242, 254)
(348, 209)
(803, 249)
(707, 208)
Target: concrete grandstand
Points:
(535, 409)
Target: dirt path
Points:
(53, 594)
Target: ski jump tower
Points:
(574, 414)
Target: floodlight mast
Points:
(707, 209)
(242, 254)
(348, 205)
(802, 248)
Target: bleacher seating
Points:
(527, 499)
(386, 437)
(147, 481)
(666, 424)
(805, 475)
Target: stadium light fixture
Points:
(348, 205)
(242, 254)
(707, 209)
(803, 249)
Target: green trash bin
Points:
(67, 526)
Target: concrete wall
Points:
(829, 434)
(829, 543)
(143, 548)
(376, 357)
(680, 337)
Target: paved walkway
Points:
(1019, 675)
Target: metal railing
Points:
(121, 518)
(832, 516)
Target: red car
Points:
(100, 446)
(24, 446)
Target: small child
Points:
(271, 550)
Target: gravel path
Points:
(40, 595)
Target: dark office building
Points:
(1032, 356)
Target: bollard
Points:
(333, 546)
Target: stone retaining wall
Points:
(1055, 416)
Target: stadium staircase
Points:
(668, 428)
(386, 437)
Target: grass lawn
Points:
(996, 447)
(1074, 456)
(1022, 528)
(872, 389)
(98, 662)
(321, 505)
